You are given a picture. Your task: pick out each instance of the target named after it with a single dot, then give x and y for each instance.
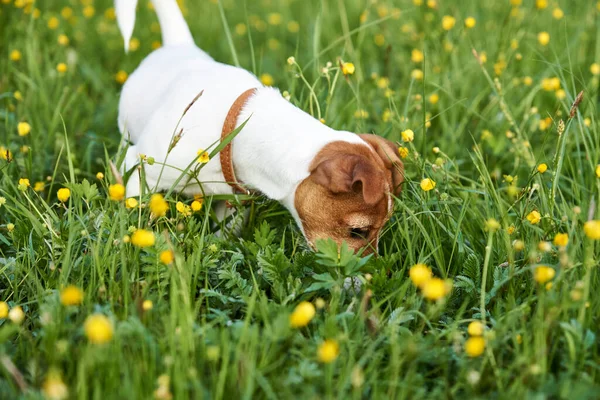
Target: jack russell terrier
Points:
(336, 184)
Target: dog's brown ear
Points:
(388, 152)
(344, 174)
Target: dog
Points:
(336, 184)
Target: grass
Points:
(219, 325)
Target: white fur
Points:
(271, 154)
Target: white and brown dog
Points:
(336, 184)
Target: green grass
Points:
(219, 326)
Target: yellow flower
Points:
(183, 209)
(543, 274)
(474, 346)
(561, 239)
(267, 79)
(71, 296)
(476, 328)
(293, 27)
(434, 98)
(54, 388)
(274, 19)
(408, 135)
(17, 95)
(116, 192)
(543, 38)
(492, 225)
(417, 56)
(88, 11)
(379, 40)
(121, 77)
(23, 128)
(362, 114)
(419, 274)
(147, 305)
(53, 23)
(134, 44)
(66, 12)
(557, 13)
(142, 238)
(403, 152)
(598, 170)
(302, 314)
(417, 74)
(561, 94)
(63, 194)
(61, 68)
(541, 4)
(518, 245)
(3, 309)
(592, 229)
(544, 246)
(534, 217)
(427, 184)
(167, 257)
(98, 329)
(5, 154)
(131, 202)
(470, 22)
(551, 84)
(328, 351)
(63, 40)
(348, 68)
(15, 55)
(24, 182)
(99, 176)
(158, 205)
(196, 205)
(595, 69)
(542, 168)
(203, 156)
(16, 315)
(448, 22)
(10, 227)
(435, 289)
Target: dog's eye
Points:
(359, 233)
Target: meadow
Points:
(486, 283)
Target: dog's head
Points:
(348, 194)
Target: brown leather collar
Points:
(228, 127)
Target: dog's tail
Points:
(174, 29)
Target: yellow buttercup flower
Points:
(470, 22)
(598, 170)
(10, 227)
(492, 225)
(302, 314)
(267, 79)
(592, 229)
(435, 289)
(293, 27)
(134, 44)
(417, 56)
(557, 13)
(53, 23)
(203, 156)
(147, 305)
(448, 22)
(561, 239)
(89, 11)
(551, 84)
(142, 238)
(99, 176)
(407, 135)
(434, 98)
(427, 184)
(15, 55)
(543, 38)
(474, 346)
(63, 40)
(167, 257)
(131, 202)
(328, 351)
(116, 192)
(419, 274)
(541, 4)
(54, 388)
(61, 68)
(274, 19)
(23, 128)
(417, 74)
(66, 12)
(121, 77)
(403, 152)
(476, 328)
(542, 168)
(534, 217)
(98, 329)
(183, 209)
(158, 205)
(63, 194)
(348, 68)
(3, 309)
(24, 182)
(595, 69)
(196, 205)
(71, 296)
(543, 274)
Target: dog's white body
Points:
(271, 154)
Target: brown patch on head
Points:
(346, 197)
